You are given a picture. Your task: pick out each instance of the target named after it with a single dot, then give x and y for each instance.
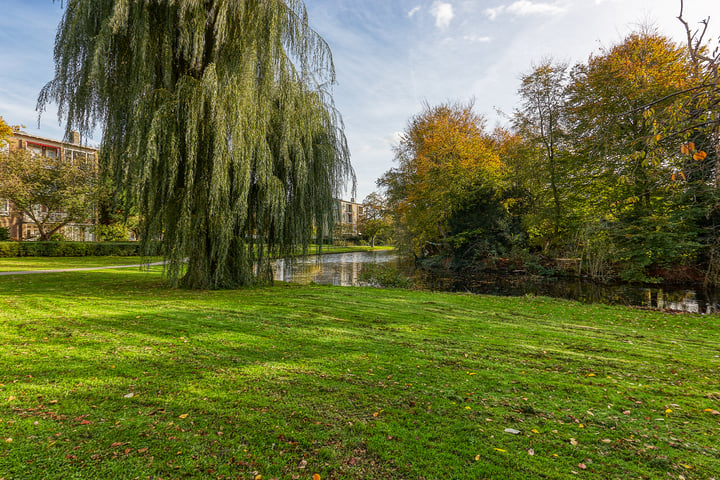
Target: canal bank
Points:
(345, 269)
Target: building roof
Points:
(31, 137)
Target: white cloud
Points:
(413, 11)
(492, 13)
(443, 13)
(525, 8)
(476, 39)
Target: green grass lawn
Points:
(111, 375)
(17, 264)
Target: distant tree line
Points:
(613, 161)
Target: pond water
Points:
(344, 269)
(341, 269)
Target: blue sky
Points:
(391, 56)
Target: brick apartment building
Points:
(20, 226)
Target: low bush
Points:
(10, 249)
(72, 249)
(386, 276)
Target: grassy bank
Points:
(109, 374)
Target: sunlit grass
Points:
(111, 374)
(17, 264)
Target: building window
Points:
(31, 232)
(4, 207)
(77, 157)
(42, 150)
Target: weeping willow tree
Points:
(217, 119)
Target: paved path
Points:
(86, 269)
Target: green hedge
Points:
(71, 249)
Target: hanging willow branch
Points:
(216, 117)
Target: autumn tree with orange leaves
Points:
(443, 157)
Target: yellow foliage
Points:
(445, 154)
(5, 130)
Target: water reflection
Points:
(344, 269)
(696, 300)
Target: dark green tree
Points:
(218, 120)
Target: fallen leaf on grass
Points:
(684, 465)
(142, 450)
(477, 458)
(8, 440)
(316, 477)
(711, 411)
(184, 415)
(129, 395)
(500, 450)
(531, 452)
(573, 442)
(512, 430)
(117, 444)
(582, 466)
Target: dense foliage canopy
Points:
(216, 119)
(611, 163)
